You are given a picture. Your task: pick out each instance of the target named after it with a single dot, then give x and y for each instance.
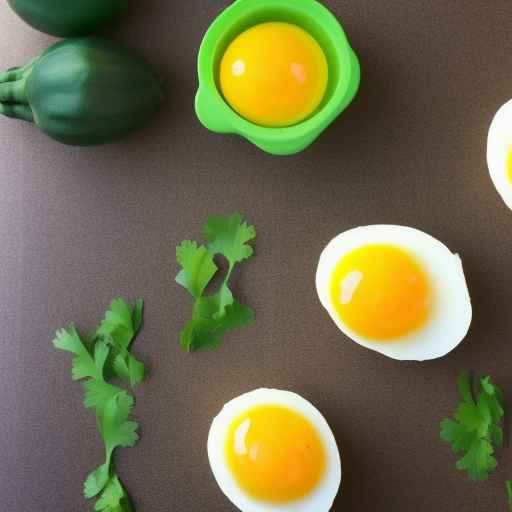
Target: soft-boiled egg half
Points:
(499, 152)
(395, 290)
(274, 74)
(272, 451)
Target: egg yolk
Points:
(509, 165)
(274, 74)
(275, 454)
(380, 292)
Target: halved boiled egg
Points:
(272, 451)
(395, 290)
(499, 152)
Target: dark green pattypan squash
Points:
(67, 18)
(82, 91)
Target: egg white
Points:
(320, 499)
(451, 312)
(499, 143)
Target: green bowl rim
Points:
(227, 120)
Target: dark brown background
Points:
(80, 226)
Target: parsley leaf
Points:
(477, 427)
(214, 315)
(508, 485)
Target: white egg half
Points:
(321, 497)
(499, 152)
(450, 312)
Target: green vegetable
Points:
(65, 18)
(113, 405)
(214, 315)
(120, 327)
(82, 92)
(477, 429)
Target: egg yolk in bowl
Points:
(274, 74)
(381, 292)
(275, 454)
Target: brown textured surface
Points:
(80, 226)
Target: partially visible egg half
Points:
(395, 290)
(499, 152)
(272, 451)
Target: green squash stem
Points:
(23, 112)
(13, 97)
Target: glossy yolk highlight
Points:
(275, 454)
(274, 74)
(380, 292)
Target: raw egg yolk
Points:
(274, 74)
(275, 454)
(509, 165)
(380, 292)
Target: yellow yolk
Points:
(275, 454)
(380, 292)
(509, 165)
(274, 74)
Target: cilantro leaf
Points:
(129, 369)
(496, 435)
(113, 498)
(109, 347)
(115, 428)
(478, 460)
(229, 237)
(476, 429)
(198, 267)
(203, 332)
(464, 385)
(508, 485)
(98, 393)
(117, 431)
(456, 434)
(492, 400)
(137, 318)
(473, 419)
(119, 328)
(84, 364)
(96, 481)
(215, 314)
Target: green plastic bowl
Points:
(344, 72)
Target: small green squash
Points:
(67, 18)
(82, 91)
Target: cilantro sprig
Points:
(103, 356)
(214, 315)
(120, 327)
(477, 427)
